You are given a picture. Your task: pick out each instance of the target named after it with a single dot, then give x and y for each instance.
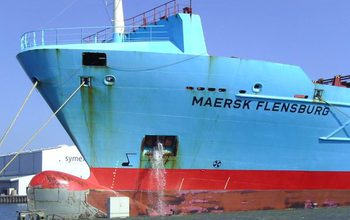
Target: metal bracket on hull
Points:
(331, 138)
(335, 139)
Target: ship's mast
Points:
(119, 25)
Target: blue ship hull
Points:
(270, 130)
(227, 124)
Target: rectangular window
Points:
(94, 59)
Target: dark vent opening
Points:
(211, 89)
(86, 81)
(169, 142)
(94, 59)
(34, 79)
(242, 91)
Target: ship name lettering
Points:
(292, 108)
(221, 103)
(260, 105)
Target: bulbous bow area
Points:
(68, 196)
(56, 179)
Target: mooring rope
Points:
(336, 108)
(18, 113)
(40, 129)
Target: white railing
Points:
(143, 27)
(88, 35)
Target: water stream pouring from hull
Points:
(158, 175)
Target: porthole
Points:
(109, 80)
(257, 87)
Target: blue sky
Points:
(313, 34)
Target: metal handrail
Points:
(152, 16)
(87, 35)
(141, 27)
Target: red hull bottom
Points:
(189, 202)
(183, 200)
